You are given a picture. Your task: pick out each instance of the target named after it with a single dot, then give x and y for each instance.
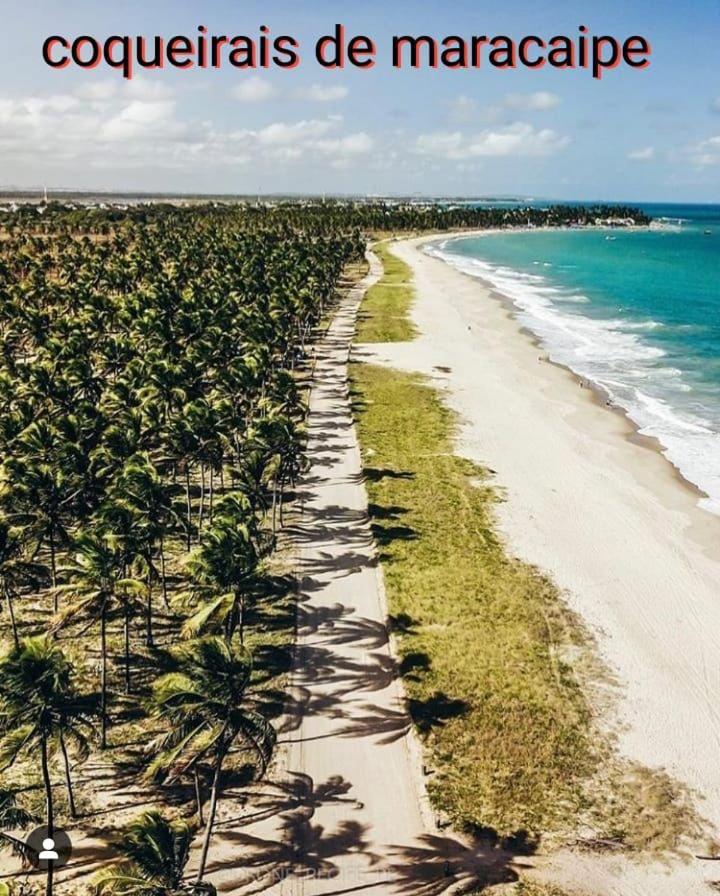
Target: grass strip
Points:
(384, 313)
(481, 636)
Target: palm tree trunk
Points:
(211, 816)
(103, 681)
(201, 510)
(162, 573)
(149, 608)
(126, 632)
(281, 499)
(198, 797)
(211, 493)
(68, 779)
(241, 625)
(189, 505)
(48, 809)
(53, 572)
(11, 611)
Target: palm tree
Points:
(38, 487)
(99, 589)
(141, 490)
(208, 712)
(16, 570)
(225, 568)
(12, 818)
(38, 709)
(155, 852)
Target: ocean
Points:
(637, 313)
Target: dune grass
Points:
(530, 888)
(384, 313)
(481, 636)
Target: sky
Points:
(648, 134)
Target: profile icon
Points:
(48, 849)
(48, 853)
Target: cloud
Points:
(343, 151)
(280, 133)
(532, 102)
(139, 125)
(519, 139)
(290, 141)
(316, 93)
(255, 90)
(259, 90)
(642, 155)
(463, 108)
(137, 89)
(142, 120)
(705, 153)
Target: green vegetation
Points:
(154, 854)
(153, 384)
(530, 888)
(383, 316)
(481, 636)
(318, 218)
(206, 713)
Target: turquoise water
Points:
(635, 312)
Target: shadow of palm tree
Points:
(435, 711)
(375, 474)
(437, 864)
(302, 849)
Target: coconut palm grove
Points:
(155, 365)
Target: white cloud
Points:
(706, 152)
(255, 90)
(519, 139)
(463, 108)
(98, 90)
(280, 132)
(352, 144)
(642, 155)
(533, 102)
(141, 120)
(289, 141)
(118, 126)
(316, 93)
(259, 90)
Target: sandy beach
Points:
(608, 517)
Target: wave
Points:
(612, 355)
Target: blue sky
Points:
(651, 134)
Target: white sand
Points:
(612, 523)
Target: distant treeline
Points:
(318, 217)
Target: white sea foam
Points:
(613, 355)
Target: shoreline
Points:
(616, 528)
(594, 391)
